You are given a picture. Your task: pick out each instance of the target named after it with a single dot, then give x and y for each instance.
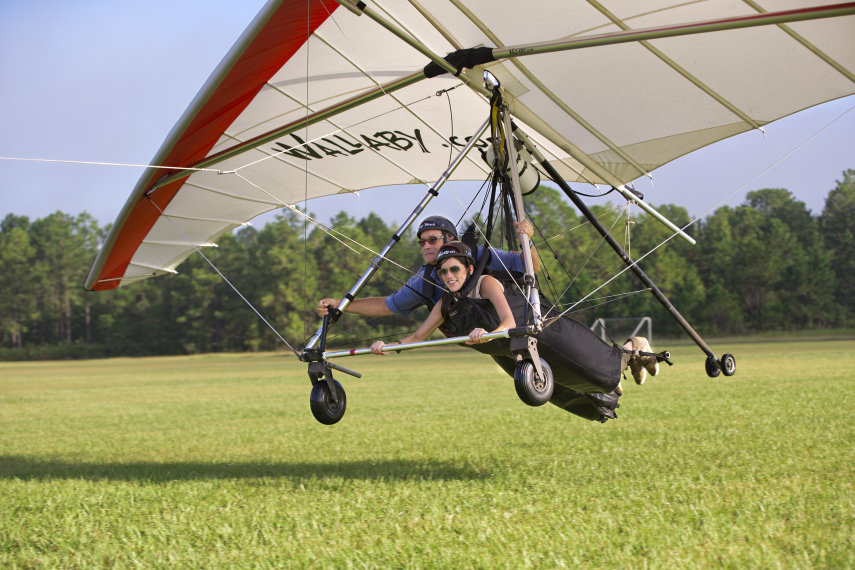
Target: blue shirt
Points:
(405, 300)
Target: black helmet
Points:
(437, 223)
(456, 249)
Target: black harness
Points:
(467, 314)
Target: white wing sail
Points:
(604, 114)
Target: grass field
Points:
(216, 461)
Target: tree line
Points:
(766, 265)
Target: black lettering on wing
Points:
(308, 154)
(330, 151)
(396, 142)
(374, 144)
(355, 145)
(417, 138)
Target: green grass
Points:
(216, 461)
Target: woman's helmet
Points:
(456, 249)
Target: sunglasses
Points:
(454, 270)
(431, 240)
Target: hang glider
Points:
(323, 97)
(318, 99)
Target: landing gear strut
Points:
(533, 376)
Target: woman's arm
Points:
(492, 290)
(422, 333)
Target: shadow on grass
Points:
(17, 467)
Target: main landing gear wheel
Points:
(712, 367)
(728, 365)
(531, 388)
(323, 408)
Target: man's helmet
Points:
(456, 249)
(437, 223)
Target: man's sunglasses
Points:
(431, 240)
(454, 269)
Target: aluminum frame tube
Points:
(375, 263)
(525, 244)
(767, 19)
(405, 37)
(659, 217)
(331, 366)
(413, 345)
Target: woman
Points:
(456, 266)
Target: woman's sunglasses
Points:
(454, 269)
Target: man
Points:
(433, 233)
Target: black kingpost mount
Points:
(317, 369)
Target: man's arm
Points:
(526, 227)
(368, 307)
(535, 259)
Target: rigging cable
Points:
(494, 120)
(618, 297)
(599, 243)
(330, 231)
(627, 235)
(466, 211)
(692, 222)
(365, 70)
(451, 120)
(169, 219)
(546, 176)
(573, 282)
(111, 164)
(586, 222)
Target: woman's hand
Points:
(475, 336)
(377, 348)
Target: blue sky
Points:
(105, 82)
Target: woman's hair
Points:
(448, 297)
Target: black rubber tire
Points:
(728, 365)
(531, 390)
(322, 406)
(712, 367)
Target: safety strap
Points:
(430, 288)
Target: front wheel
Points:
(323, 408)
(531, 388)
